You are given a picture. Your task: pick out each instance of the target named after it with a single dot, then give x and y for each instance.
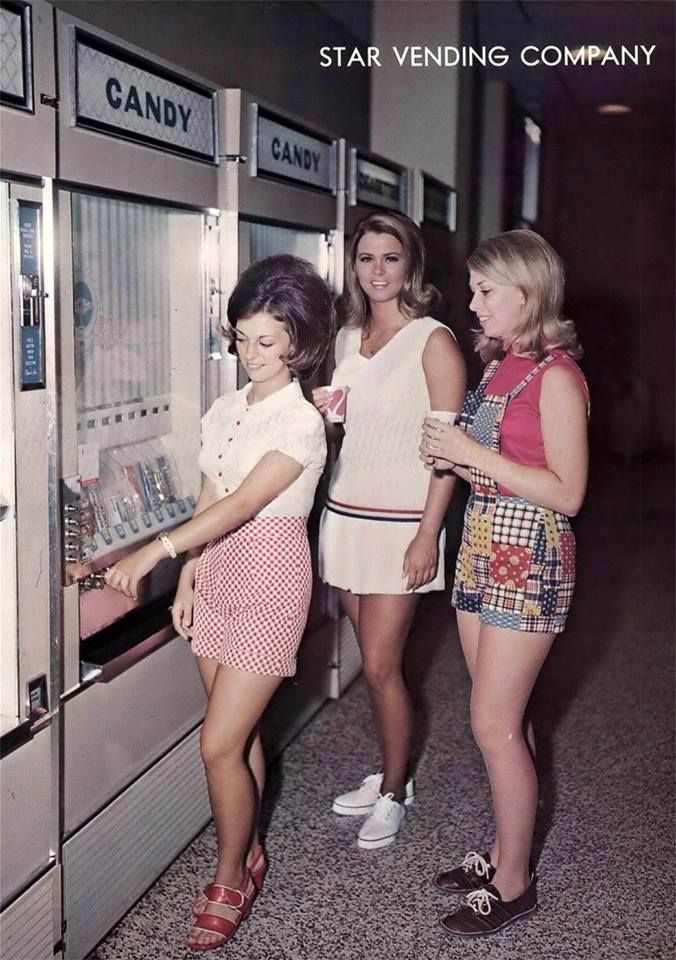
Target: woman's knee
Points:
(381, 672)
(217, 749)
(492, 730)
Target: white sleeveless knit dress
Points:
(379, 485)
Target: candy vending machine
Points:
(139, 303)
(373, 183)
(434, 205)
(282, 189)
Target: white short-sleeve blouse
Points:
(237, 434)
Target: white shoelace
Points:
(480, 901)
(386, 807)
(475, 863)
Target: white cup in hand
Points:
(445, 416)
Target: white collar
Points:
(278, 400)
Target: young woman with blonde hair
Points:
(522, 445)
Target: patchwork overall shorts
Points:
(516, 565)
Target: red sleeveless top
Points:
(521, 431)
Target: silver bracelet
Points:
(168, 545)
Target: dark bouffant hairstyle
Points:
(291, 291)
(417, 298)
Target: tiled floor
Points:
(604, 714)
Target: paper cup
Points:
(335, 411)
(446, 416)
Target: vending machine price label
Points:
(29, 238)
(378, 185)
(31, 357)
(88, 461)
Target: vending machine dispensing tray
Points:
(111, 651)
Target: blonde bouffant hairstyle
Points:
(416, 298)
(524, 259)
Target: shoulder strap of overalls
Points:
(487, 375)
(526, 380)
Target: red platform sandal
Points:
(257, 867)
(225, 909)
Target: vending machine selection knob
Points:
(93, 581)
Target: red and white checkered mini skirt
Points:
(252, 594)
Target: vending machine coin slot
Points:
(37, 697)
(32, 366)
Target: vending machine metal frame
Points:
(30, 880)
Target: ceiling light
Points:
(613, 109)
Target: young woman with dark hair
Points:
(244, 590)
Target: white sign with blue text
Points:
(286, 152)
(124, 97)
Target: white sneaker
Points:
(359, 802)
(382, 826)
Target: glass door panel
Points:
(267, 239)
(139, 330)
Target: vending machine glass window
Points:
(138, 322)
(267, 239)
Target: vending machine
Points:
(282, 189)
(434, 206)
(373, 183)
(30, 875)
(138, 258)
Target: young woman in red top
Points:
(522, 445)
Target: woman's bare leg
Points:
(384, 625)
(236, 703)
(469, 627)
(255, 758)
(505, 670)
